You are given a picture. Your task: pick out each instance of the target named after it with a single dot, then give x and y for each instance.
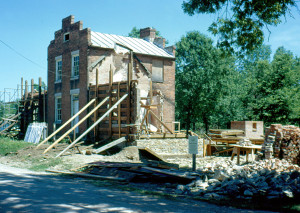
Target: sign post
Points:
(193, 149)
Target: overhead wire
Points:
(20, 54)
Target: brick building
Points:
(77, 54)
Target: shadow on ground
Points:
(21, 192)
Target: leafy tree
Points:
(36, 86)
(134, 33)
(240, 23)
(273, 88)
(201, 80)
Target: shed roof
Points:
(137, 45)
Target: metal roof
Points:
(136, 44)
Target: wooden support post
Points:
(119, 110)
(32, 88)
(40, 101)
(96, 123)
(151, 93)
(44, 106)
(65, 124)
(110, 103)
(129, 78)
(22, 88)
(161, 122)
(26, 90)
(96, 102)
(74, 127)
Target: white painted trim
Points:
(76, 52)
(56, 95)
(58, 58)
(74, 91)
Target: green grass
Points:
(8, 145)
(38, 164)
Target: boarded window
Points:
(157, 71)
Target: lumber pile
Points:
(283, 142)
(152, 171)
(225, 133)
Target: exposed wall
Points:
(167, 87)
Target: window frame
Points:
(58, 75)
(66, 35)
(75, 75)
(58, 110)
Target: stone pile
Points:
(269, 179)
(283, 142)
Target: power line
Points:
(20, 54)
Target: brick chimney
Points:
(147, 34)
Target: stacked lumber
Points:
(283, 142)
(225, 133)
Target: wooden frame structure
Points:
(31, 108)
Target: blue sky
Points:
(29, 26)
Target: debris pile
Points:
(269, 179)
(139, 172)
(283, 142)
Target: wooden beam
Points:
(119, 111)
(96, 123)
(160, 121)
(110, 102)
(22, 88)
(88, 175)
(74, 127)
(32, 88)
(26, 90)
(111, 144)
(65, 124)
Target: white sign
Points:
(193, 144)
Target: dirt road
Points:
(26, 191)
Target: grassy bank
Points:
(8, 145)
(23, 154)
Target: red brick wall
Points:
(78, 40)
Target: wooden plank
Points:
(148, 153)
(74, 127)
(165, 135)
(65, 124)
(160, 121)
(189, 178)
(91, 127)
(119, 111)
(110, 145)
(87, 175)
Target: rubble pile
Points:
(268, 179)
(283, 142)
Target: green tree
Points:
(202, 75)
(240, 23)
(134, 33)
(273, 88)
(36, 86)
